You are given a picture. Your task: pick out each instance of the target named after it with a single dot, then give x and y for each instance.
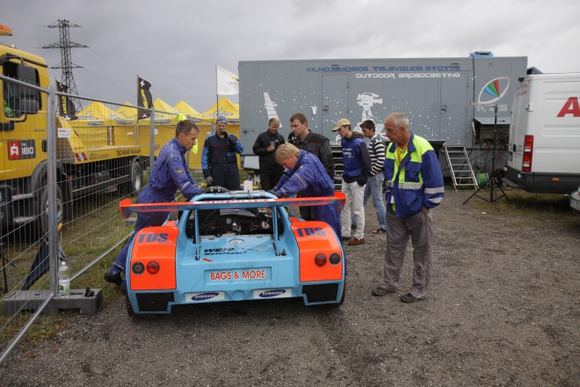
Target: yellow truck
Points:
(92, 155)
(89, 158)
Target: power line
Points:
(65, 46)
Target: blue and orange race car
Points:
(233, 246)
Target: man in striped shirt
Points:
(374, 185)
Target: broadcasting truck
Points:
(89, 159)
(448, 100)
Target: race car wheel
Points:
(130, 310)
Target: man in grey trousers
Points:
(414, 187)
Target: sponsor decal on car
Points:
(205, 297)
(257, 274)
(272, 293)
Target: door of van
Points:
(519, 125)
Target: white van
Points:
(544, 144)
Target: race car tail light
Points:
(320, 259)
(138, 268)
(334, 259)
(153, 267)
(528, 152)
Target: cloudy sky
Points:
(175, 44)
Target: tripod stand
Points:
(495, 178)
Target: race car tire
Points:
(130, 310)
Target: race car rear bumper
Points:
(321, 293)
(154, 302)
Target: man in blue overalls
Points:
(218, 160)
(168, 174)
(305, 173)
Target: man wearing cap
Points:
(315, 143)
(169, 173)
(414, 187)
(218, 160)
(265, 146)
(357, 166)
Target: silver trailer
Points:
(447, 99)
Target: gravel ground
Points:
(503, 309)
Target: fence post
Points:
(52, 199)
(151, 139)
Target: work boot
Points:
(114, 277)
(355, 241)
(378, 291)
(409, 298)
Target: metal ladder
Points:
(462, 173)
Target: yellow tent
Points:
(169, 112)
(184, 108)
(97, 111)
(230, 109)
(127, 112)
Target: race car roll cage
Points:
(233, 199)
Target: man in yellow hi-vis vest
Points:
(414, 187)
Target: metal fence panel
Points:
(62, 175)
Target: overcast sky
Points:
(176, 44)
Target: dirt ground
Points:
(502, 310)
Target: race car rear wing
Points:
(127, 207)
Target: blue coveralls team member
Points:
(265, 146)
(218, 160)
(305, 174)
(414, 187)
(168, 174)
(357, 167)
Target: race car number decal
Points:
(258, 274)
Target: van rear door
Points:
(519, 125)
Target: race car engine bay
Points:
(233, 221)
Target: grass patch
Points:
(526, 203)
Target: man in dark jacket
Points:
(314, 143)
(168, 174)
(265, 146)
(218, 160)
(357, 166)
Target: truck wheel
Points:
(135, 174)
(43, 210)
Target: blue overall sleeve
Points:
(205, 159)
(432, 180)
(179, 174)
(297, 182)
(238, 147)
